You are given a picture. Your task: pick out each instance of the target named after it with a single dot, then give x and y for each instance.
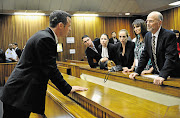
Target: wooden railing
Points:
(5, 71)
(170, 87)
(104, 102)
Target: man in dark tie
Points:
(25, 89)
(161, 47)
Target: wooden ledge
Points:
(67, 104)
(105, 102)
(170, 87)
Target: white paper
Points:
(72, 51)
(70, 39)
(59, 47)
(151, 76)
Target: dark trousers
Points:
(13, 112)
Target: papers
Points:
(151, 76)
(70, 39)
(72, 51)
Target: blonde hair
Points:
(124, 30)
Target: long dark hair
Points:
(142, 24)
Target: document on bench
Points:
(151, 76)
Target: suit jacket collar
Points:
(51, 32)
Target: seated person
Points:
(140, 30)
(113, 40)
(17, 50)
(106, 50)
(2, 56)
(178, 41)
(92, 54)
(10, 54)
(125, 50)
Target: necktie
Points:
(154, 52)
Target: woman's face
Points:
(123, 37)
(104, 40)
(137, 29)
(177, 35)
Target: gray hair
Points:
(160, 16)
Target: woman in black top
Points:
(125, 50)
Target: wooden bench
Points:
(65, 70)
(62, 106)
(74, 67)
(5, 71)
(77, 61)
(104, 102)
(170, 87)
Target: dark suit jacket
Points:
(128, 59)
(112, 41)
(2, 56)
(166, 53)
(111, 52)
(18, 52)
(91, 54)
(27, 84)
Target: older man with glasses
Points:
(161, 47)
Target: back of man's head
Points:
(58, 16)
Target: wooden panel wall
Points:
(172, 19)
(20, 28)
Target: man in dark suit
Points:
(113, 40)
(161, 47)
(92, 50)
(25, 89)
(17, 50)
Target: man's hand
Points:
(133, 75)
(158, 80)
(78, 88)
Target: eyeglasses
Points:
(122, 36)
(151, 21)
(86, 41)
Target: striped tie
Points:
(154, 52)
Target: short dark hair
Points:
(176, 31)
(85, 36)
(142, 24)
(58, 16)
(15, 44)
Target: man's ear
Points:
(61, 25)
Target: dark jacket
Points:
(111, 52)
(111, 40)
(166, 53)
(128, 58)
(27, 84)
(91, 54)
(18, 52)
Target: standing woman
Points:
(140, 30)
(125, 50)
(106, 50)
